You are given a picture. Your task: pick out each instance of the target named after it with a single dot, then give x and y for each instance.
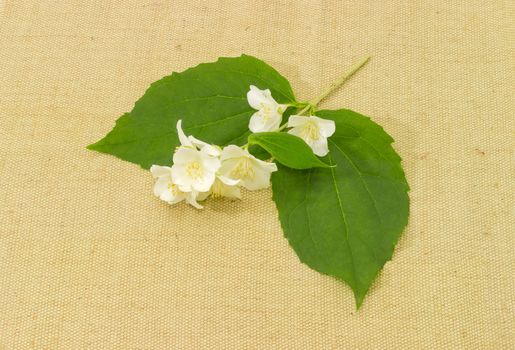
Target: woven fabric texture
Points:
(89, 259)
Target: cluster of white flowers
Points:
(312, 129)
(201, 170)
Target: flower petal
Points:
(263, 122)
(210, 164)
(166, 196)
(326, 127)
(182, 137)
(260, 180)
(196, 142)
(184, 155)
(297, 131)
(191, 198)
(184, 189)
(320, 147)
(232, 192)
(268, 166)
(233, 151)
(256, 122)
(213, 151)
(260, 173)
(297, 120)
(181, 178)
(158, 171)
(205, 147)
(161, 185)
(228, 181)
(227, 168)
(204, 183)
(220, 189)
(257, 98)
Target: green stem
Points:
(305, 109)
(337, 84)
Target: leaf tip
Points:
(358, 298)
(92, 147)
(96, 146)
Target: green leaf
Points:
(287, 149)
(209, 98)
(345, 221)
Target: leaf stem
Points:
(305, 109)
(337, 83)
(281, 128)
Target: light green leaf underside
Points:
(287, 149)
(210, 99)
(345, 221)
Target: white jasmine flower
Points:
(223, 187)
(194, 169)
(269, 113)
(190, 141)
(313, 130)
(239, 164)
(169, 192)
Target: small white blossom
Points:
(169, 192)
(269, 113)
(239, 164)
(192, 142)
(222, 187)
(194, 169)
(313, 130)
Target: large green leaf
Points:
(345, 221)
(210, 99)
(287, 149)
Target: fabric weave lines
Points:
(89, 259)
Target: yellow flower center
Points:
(267, 112)
(217, 189)
(310, 131)
(173, 188)
(194, 170)
(243, 170)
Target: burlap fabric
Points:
(89, 259)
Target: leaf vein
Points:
(362, 180)
(370, 195)
(288, 98)
(353, 266)
(304, 201)
(218, 121)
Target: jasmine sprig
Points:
(342, 214)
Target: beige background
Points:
(89, 259)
